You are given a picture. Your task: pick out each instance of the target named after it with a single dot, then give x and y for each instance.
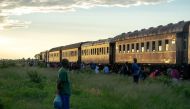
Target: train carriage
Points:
(72, 52)
(54, 55)
(160, 45)
(96, 52)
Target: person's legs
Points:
(65, 101)
(136, 78)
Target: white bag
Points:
(57, 102)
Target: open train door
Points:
(112, 53)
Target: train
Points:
(164, 45)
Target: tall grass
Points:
(89, 90)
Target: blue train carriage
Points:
(96, 52)
(157, 45)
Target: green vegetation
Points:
(35, 88)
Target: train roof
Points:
(76, 45)
(170, 28)
(101, 41)
(70, 46)
(55, 49)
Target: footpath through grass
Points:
(35, 88)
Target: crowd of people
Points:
(138, 72)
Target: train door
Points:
(79, 55)
(181, 48)
(112, 53)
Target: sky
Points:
(28, 27)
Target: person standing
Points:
(97, 69)
(63, 84)
(106, 69)
(135, 71)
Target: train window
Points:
(153, 46)
(167, 44)
(123, 48)
(91, 51)
(147, 46)
(71, 53)
(173, 41)
(97, 51)
(132, 47)
(142, 47)
(137, 47)
(75, 53)
(160, 45)
(119, 48)
(128, 48)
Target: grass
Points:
(89, 90)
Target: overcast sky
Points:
(28, 27)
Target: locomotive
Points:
(165, 45)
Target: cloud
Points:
(6, 23)
(20, 7)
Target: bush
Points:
(1, 105)
(7, 63)
(164, 79)
(186, 92)
(35, 76)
